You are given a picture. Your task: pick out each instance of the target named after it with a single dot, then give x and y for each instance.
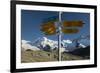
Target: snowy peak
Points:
(67, 41)
(26, 45)
(83, 46)
(45, 39)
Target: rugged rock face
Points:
(83, 52)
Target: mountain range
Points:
(48, 44)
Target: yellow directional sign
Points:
(70, 30)
(73, 24)
(48, 28)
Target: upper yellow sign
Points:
(72, 24)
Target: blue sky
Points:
(32, 19)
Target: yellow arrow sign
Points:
(48, 28)
(70, 30)
(73, 24)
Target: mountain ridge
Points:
(45, 43)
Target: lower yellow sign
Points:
(70, 31)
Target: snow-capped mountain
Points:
(66, 45)
(26, 45)
(42, 42)
(48, 44)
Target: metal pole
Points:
(59, 36)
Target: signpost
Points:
(49, 28)
(59, 35)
